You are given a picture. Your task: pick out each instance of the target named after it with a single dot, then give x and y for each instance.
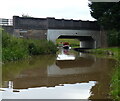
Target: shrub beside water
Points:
(115, 83)
(113, 38)
(16, 48)
(36, 47)
(115, 80)
(13, 48)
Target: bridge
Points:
(88, 32)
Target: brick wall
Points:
(32, 34)
(52, 23)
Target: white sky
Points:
(67, 9)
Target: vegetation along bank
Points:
(107, 15)
(114, 53)
(17, 48)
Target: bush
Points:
(36, 47)
(115, 83)
(16, 48)
(113, 38)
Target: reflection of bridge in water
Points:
(69, 72)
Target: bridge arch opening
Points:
(86, 42)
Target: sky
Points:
(67, 9)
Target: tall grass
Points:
(16, 48)
(13, 48)
(115, 83)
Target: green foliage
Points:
(113, 51)
(37, 47)
(16, 48)
(0, 45)
(115, 83)
(98, 8)
(107, 14)
(13, 48)
(113, 38)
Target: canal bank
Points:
(114, 53)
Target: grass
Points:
(16, 48)
(115, 81)
(113, 51)
(73, 42)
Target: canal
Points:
(67, 75)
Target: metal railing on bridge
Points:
(6, 22)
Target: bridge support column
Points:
(103, 39)
(87, 44)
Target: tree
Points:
(107, 14)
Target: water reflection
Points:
(67, 91)
(64, 54)
(45, 77)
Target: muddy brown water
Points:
(67, 75)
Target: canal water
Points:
(67, 75)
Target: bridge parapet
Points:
(52, 23)
(73, 24)
(29, 23)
